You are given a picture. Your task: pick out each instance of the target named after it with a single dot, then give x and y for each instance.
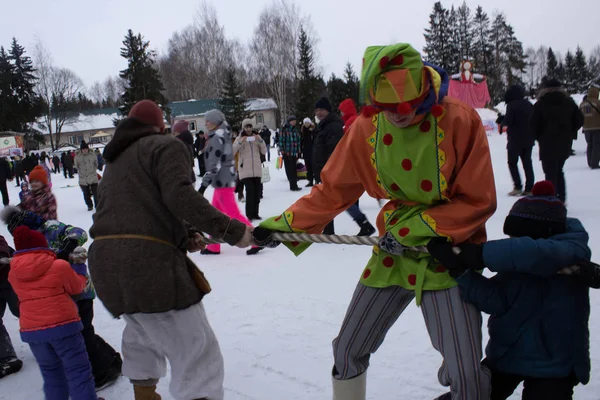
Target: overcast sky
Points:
(85, 36)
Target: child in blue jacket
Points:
(538, 303)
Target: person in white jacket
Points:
(250, 148)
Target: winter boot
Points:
(350, 389)
(253, 251)
(10, 365)
(208, 252)
(145, 393)
(366, 229)
(515, 192)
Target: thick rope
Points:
(329, 239)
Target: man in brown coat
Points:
(148, 217)
(590, 107)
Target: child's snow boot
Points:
(253, 251)
(10, 365)
(366, 229)
(350, 389)
(145, 393)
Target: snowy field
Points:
(276, 315)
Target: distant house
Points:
(263, 112)
(97, 126)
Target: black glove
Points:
(589, 273)
(441, 249)
(66, 249)
(202, 190)
(263, 237)
(472, 256)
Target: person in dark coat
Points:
(265, 134)
(199, 144)
(9, 363)
(6, 174)
(29, 163)
(554, 124)
(539, 310)
(308, 137)
(56, 164)
(182, 132)
(520, 139)
(328, 134)
(290, 148)
(19, 172)
(67, 162)
(100, 159)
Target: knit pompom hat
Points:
(149, 113)
(181, 126)
(26, 239)
(215, 116)
(38, 174)
(538, 216)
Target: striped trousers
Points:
(454, 327)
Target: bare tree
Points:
(59, 88)
(97, 93)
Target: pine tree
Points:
(142, 76)
(570, 74)
(561, 71)
(233, 101)
(306, 93)
(337, 90)
(437, 38)
(352, 83)
(454, 55)
(551, 64)
(582, 74)
(464, 34)
(481, 32)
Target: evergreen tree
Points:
(352, 83)
(306, 93)
(142, 77)
(582, 74)
(454, 55)
(551, 64)
(570, 74)
(337, 90)
(481, 50)
(561, 72)
(464, 32)
(437, 38)
(233, 101)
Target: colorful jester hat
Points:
(394, 78)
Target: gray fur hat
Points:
(215, 116)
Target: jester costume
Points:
(436, 174)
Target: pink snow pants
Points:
(224, 201)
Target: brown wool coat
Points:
(591, 114)
(146, 190)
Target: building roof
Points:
(103, 118)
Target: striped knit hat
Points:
(539, 216)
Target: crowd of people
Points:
(423, 153)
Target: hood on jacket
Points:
(186, 137)
(31, 264)
(129, 131)
(348, 108)
(593, 93)
(555, 96)
(514, 93)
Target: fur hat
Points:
(215, 116)
(38, 174)
(148, 112)
(181, 126)
(247, 122)
(291, 118)
(14, 217)
(84, 145)
(323, 103)
(539, 216)
(26, 239)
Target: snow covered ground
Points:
(275, 315)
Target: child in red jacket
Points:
(40, 199)
(49, 321)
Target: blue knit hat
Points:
(538, 216)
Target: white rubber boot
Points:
(350, 389)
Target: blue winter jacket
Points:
(538, 323)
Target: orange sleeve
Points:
(72, 282)
(472, 193)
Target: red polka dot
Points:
(426, 185)
(394, 221)
(394, 187)
(437, 111)
(403, 232)
(295, 244)
(412, 279)
(388, 139)
(388, 262)
(367, 273)
(407, 164)
(425, 126)
(440, 269)
(277, 218)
